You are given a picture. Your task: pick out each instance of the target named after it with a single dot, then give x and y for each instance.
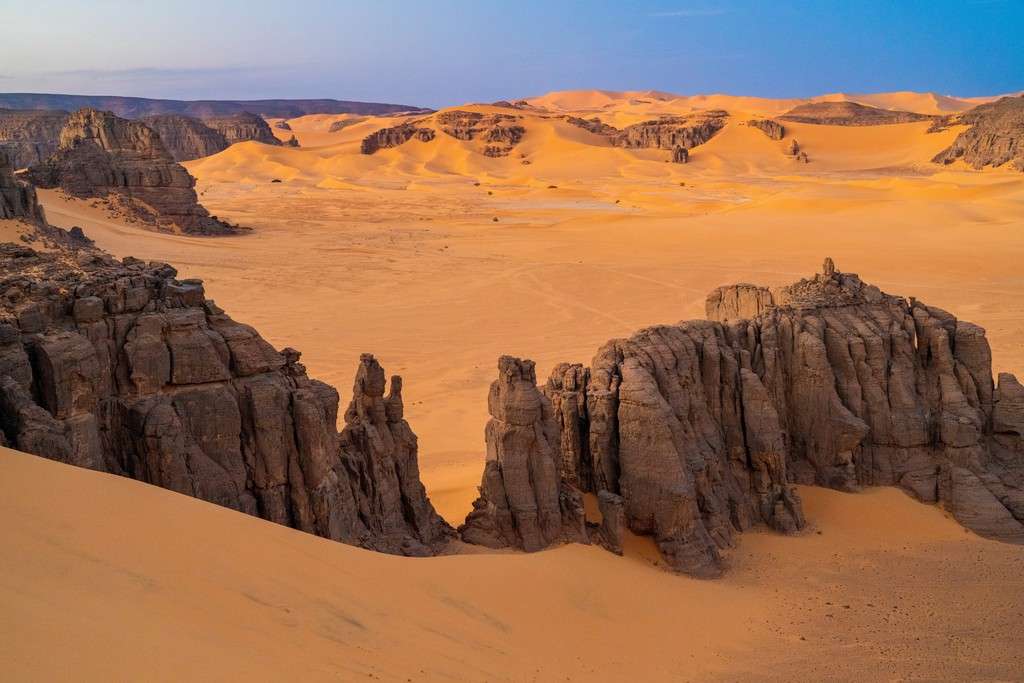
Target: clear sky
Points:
(448, 52)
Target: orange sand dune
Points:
(140, 583)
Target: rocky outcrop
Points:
(120, 367)
(523, 502)
(292, 141)
(30, 136)
(595, 125)
(283, 125)
(699, 430)
(125, 162)
(17, 198)
(394, 136)
(849, 114)
(186, 138)
(995, 136)
(773, 129)
(680, 155)
(500, 132)
(672, 132)
(242, 127)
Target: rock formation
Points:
(698, 430)
(120, 367)
(500, 132)
(594, 125)
(394, 136)
(17, 198)
(523, 503)
(186, 138)
(292, 141)
(670, 132)
(849, 114)
(680, 155)
(124, 162)
(995, 136)
(282, 125)
(30, 136)
(242, 127)
(773, 129)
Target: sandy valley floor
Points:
(400, 254)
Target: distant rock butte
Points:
(995, 136)
(125, 163)
(29, 136)
(242, 127)
(849, 114)
(672, 132)
(119, 367)
(701, 429)
(186, 138)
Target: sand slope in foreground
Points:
(104, 577)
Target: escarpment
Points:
(242, 127)
(995, 136)
(699, 430)
(125, 162)
(678, 134)
(186, 138)
(29, 136)
(120, 367)
(499, 132)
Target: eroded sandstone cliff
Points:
(242, 127)
(29, 136)
(849, 114)
(100, 155)
(995, 136)
(120, 367)
(17, 198)
(702, 428)
(186, 138)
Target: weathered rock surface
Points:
(103, 156)
(594, 125)
(849, 114)
(30, 136)
(671, 132)
(119, 367)
(283, 125)
(500, 132)
(523, 502)
(773, 129)
(995, 136)
(680, 155)
(17, 198)
(242, 127)
(394, 136)
(186, 138)
(292, 141)
(699, 430)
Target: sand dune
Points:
(138, 582)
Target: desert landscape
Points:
(596, 384)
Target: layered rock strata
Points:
(125, 162)
(120, 367)
(672, 132)
(394, 136)
(242, 127)
(995, 136)
(186, 138)
(30, 136)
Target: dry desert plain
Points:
(438, 259)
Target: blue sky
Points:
(448, 52)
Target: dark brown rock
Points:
(242, 127)
(773, 129)
(186, 138)
(395, 136)
(680, 155)
(672, 132)
(17, 198)
(125, 162)
(594, 125)
(119, 367)
(995, 136)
